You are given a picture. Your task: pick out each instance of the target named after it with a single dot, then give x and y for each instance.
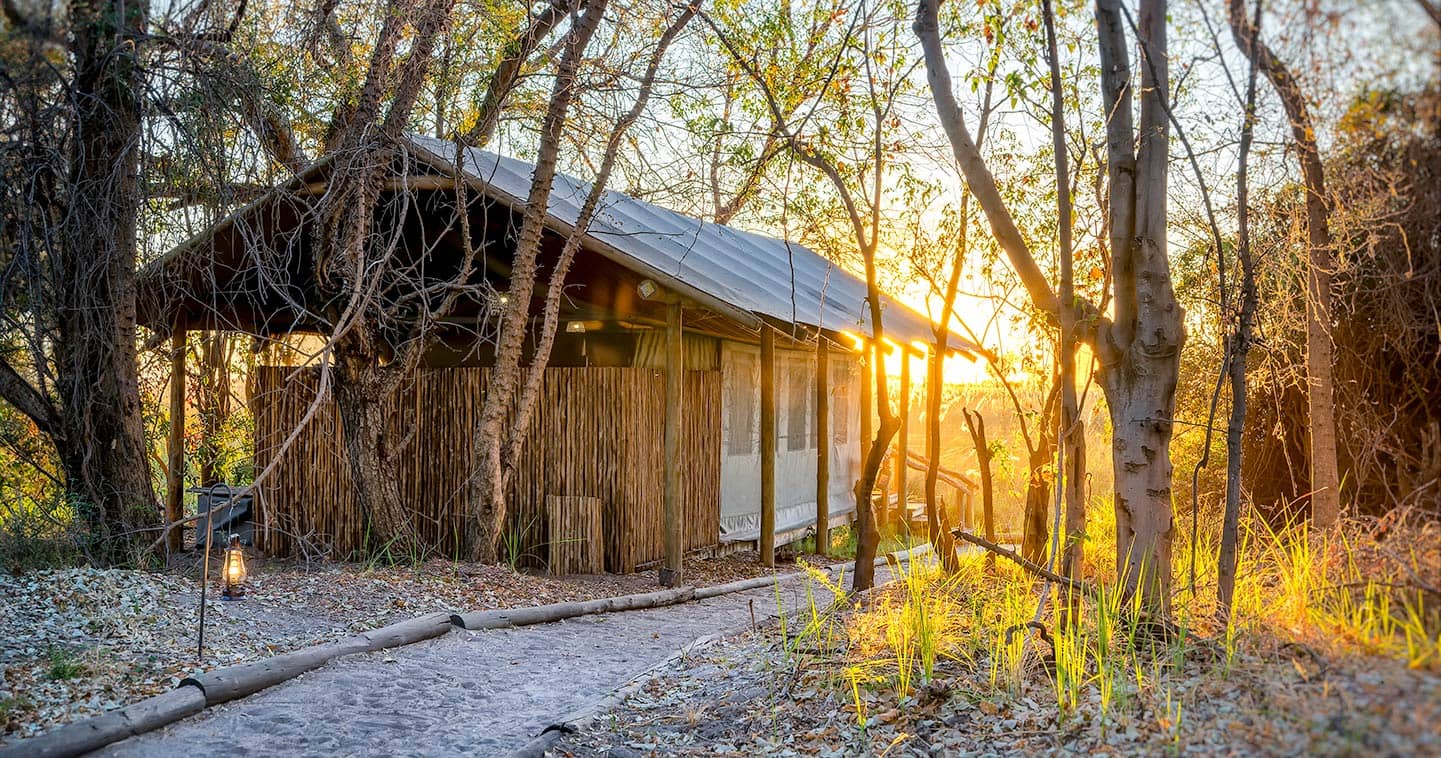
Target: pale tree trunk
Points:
(488, 483)
(1139, 348)
(1240, 346)
(1072, 434)
(1140, 383)
(1325, 472)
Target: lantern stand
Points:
(205, 581)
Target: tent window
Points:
(797, 405)
(841, 403)
(741, 385)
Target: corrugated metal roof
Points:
(763, 275)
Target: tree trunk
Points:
(868, 535)
(940, 538)
(1240, 347)
(873, 457)
(1325, 472)
(977, 427)
(1074, 480)
(1138, 347)
(1036, 527)
(489, 482)
(360, 395)
(214, 403)
(1141, 464)
(1141, 359)
(175, 443)
(102, 445)
(1073, 472)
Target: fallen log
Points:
(234, 682)
(231, 682)
(94, 733)
(406, 632)
(542, 614)
(703, 593)
(1016, 558)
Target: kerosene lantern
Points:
(232, 572)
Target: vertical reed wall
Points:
(596, 432)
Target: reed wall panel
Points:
(596, 432)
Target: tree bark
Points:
(488, 485)
(175, 443)
(361, 390)
(102, 442)
(1041, 459)
(1141, 384)
(358, 270)
(1325, 472)
(534, 374)
(507, 73)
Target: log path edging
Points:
(196, 693)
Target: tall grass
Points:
(1293, 587)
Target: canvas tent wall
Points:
(796, 441)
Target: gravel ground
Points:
(748, 696)
(471, 693)
(78, 642)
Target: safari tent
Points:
(742, 300)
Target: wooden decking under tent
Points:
(597, 432)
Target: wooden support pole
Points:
(823, 446)
(175, 445)
(768, 447)
(868, 374)
(675, 527)
(902, 514)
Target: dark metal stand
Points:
(204, 582)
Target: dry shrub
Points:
(1385, 180)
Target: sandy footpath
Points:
(471, 693)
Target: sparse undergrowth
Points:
(1335, 647)
(77, 642)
